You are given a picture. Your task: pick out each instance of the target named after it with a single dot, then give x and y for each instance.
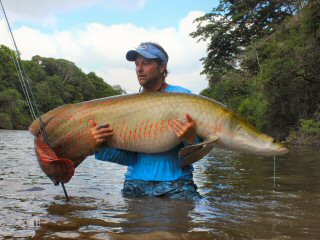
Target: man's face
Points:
(148, 71)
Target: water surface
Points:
(241, 199)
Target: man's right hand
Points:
(99, 134)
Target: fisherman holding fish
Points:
(140, 131)
(157, 174)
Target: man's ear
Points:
(163, 67)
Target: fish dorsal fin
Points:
(193, 153)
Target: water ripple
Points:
(239, 192)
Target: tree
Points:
(275, 82)
(234, 25)
(13, 110)
(54, 82)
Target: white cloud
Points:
(102, 48)
(46, 13)
(43, 12)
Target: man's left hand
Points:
(185, 131)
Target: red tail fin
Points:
(57, 169)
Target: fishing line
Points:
(274, 172)
(23, 78)
(27, 90)
(23, 88)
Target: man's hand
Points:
(99, 134)
(185, 131)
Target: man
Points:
(160, 174)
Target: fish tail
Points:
(59, 170)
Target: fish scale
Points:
(141, 123)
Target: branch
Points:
(257, 56)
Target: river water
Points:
(242, 199)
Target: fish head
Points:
(268, 146)
(244, 137)
(258, 143)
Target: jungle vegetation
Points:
(263, 61)
(54, 82)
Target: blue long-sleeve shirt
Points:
(150, 167)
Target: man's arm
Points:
(121, 157)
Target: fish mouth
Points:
(283, 150)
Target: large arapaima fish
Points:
(141, 123)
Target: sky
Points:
(96, 34)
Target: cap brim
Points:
(132, 55)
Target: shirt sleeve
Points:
(121, 157)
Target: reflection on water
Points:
(241, 200)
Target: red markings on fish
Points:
(140, 129)
(68, 116)
(125, 136)
(135, 133)
(69, 137)
(145, 129)
(139, 136)
(130, 135)
(156, 130)
(82, 136)
(162, 128)
(124, 122)
(150, 131)
(168, 128)
(155, 133)
(116, 135)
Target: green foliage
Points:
(254, 108)
(277, 71)
(231, 90)
(290, 73)
(234, 25)
(54, 82)
(8, 74)
(13, 110)
(311, 127)
(308, 132)
(48, 95)
(5, 121)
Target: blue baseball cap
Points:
(148, 51)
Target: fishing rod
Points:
(27, 90)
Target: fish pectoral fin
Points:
(192, 148)
(193, 153)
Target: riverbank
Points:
(303, 139)
(307, 134)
